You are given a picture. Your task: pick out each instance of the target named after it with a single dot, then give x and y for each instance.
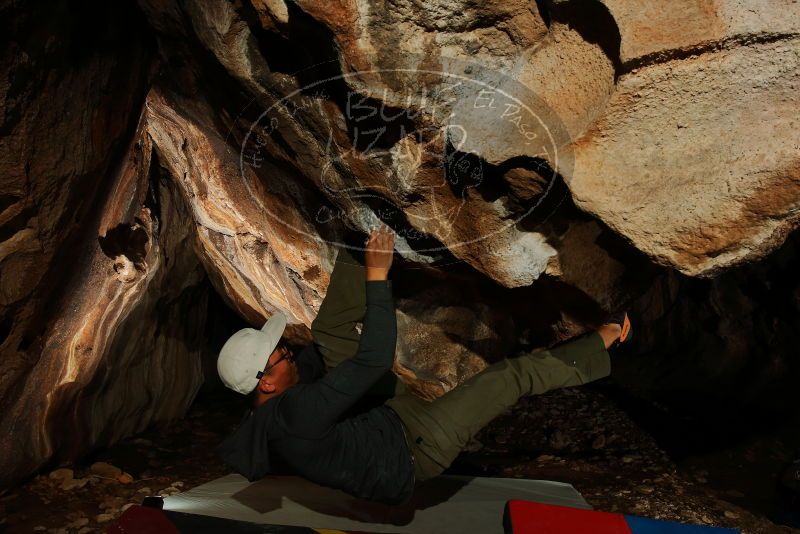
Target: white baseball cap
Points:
(246, 352)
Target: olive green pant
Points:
(437, 431)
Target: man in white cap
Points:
(303, 423)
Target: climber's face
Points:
(279, 374)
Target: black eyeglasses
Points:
(286, 354)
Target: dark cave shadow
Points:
(679, 391)
(310, 54)
(534, 309)
(267, 495)
(580, 307)
(464, 171)
(592, 20)
(483, 347)
(714, 425)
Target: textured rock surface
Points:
(152, 152)
(72, 89)
(651, 33)
(687, 161)
(261, 264)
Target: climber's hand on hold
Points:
(379, 253)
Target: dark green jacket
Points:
(306, 430)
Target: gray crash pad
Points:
(444, 504)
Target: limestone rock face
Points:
(81, 251)
(694, 158)
(260, 264)
(650, 33)
(541, 162)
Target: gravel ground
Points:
(581, 437)
(578, 436)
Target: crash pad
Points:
(523, 517)
(443, 504)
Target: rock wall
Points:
(73, 85)
(700, 124)
(541, 162)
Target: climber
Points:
(302, 420)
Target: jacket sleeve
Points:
(309, 364)
(310, 411)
